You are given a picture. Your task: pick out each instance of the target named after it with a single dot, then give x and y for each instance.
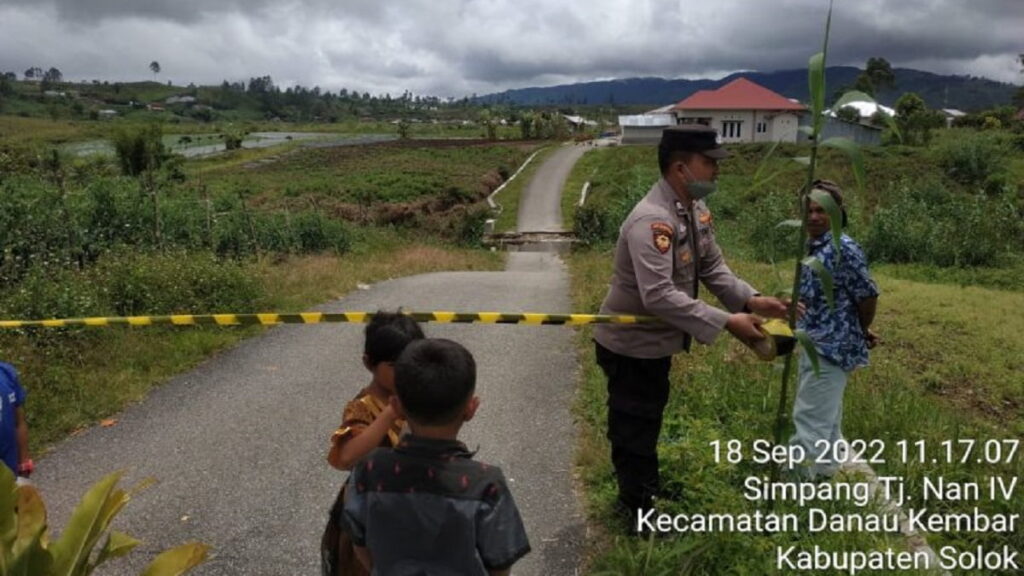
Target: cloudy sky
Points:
(459, 47)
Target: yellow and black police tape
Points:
(273, 318)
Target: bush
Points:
(136, 284)
(140, 149)
(590, 223)
(51, 292)
(468, 224)
(976, 160)
(314, 232)
(233, 139)
(760, 224)
(928, 224)
(601, 218)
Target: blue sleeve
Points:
(12, 378)
(354, 512)
(501, 537)
(857, 280)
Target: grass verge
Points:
(949, 369)
(585, 169)
(508, 198)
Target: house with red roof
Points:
(743, 111)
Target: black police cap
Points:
(693, 138)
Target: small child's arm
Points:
(25, 464)
(347, 447)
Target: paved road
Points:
(540, 210)
(238, 444)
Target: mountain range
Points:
(967, 93)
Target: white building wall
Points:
(733, 121)
(778, 126)
(784, 127)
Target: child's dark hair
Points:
(387, 334)
(434, 378)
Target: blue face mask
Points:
(699, 189)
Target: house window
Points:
(732, 129)
(762, 127)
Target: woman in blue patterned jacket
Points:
(841, 337)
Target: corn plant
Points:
(816, 83)
(26, 549)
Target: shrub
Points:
(140, 149)
(599, 220)
(233, 139)
(929, 224)
(468, 224)
(759, 222)
(976, 160)
(590, 224)
(33, 228)
(314, 233)
(175, 283)
(51, 292)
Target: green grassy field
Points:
(949, 370)
(945, 372)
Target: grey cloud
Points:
(459, 46)
(192, 11)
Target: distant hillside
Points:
(962, 92)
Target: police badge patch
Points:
(662, 236)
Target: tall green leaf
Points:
(764, 161)
(824, 275)
(828, 32)
(759, 180)
(29, 554)
(850, 97)
(890, 123)
(816, 82)
(808, 345)
(835, 215)
(177, 560)
(71, 551)
(117, 545)
(853, 152)
(816, 77)
(8, 500)
(858, 96)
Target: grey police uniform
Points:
(664, 249)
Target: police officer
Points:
(666, 248)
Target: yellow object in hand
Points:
(779, 340)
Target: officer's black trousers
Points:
(637, 394)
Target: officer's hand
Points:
(744, 327)
(770, 307)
